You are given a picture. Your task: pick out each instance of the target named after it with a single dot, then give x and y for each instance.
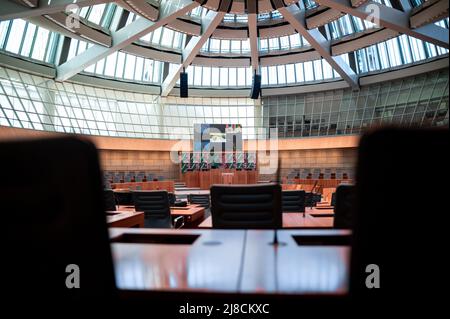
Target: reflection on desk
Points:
(233, 261)
(211, 263)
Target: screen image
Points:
(217, 135)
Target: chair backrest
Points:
(201, 199)
(246, 206)
(54, 217)
(293, 201)
(395, 229)
(109, 199)
(333, 199)
(172, 199)
(309, 199)
(156, 207)
(344, 209)
(123, 197)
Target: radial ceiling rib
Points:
(392, 19)
(12, 10)
(253, 36)
(296, 18)
(209, 24)
(169, 11)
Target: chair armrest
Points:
(178, 222)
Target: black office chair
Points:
(293, 201)
(399, 226)
(156, 207)
(333, 199)
(109, 199)
(172, 199)
(246, 206)
(310, 199)
(53, 217)
(317, 198)
(200, 199)
(124, 197)
(344, 206)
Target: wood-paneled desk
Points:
(313, 218)
(151, 185)
(125, 219)
(193, 214)
(231, 261)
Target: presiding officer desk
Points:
(308, 262)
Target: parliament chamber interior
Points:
(224, 158)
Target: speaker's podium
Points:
(227, 178)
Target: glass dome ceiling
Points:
(222, 43)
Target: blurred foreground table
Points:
(232, 261)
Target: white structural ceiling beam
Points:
(209, 24)
(169, 10)
(392, 19)
(12, 10)
(317, 40)
(253, 37)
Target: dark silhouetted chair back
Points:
(124, 197)
(110, 200)
(311, 199)
(246, 206)
(333, 199)
(172, 199)
(344, 209)
(397, 230)
(201, 199)
(293, 201)
(156, 207)
(54, 217)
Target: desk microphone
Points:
(275, 237)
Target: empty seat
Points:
(109, 199)
(333, 199)
(123, 197)
(172, 199)
(246, 206)
(344, 206)
(54, 222)
(155, 205)
(201, 199)
(309, 202)
(293, 201)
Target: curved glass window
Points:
(226, 46)
(162, 37)
(420, 100)
(26, 39)
(395, 52)
(100, 14)
(270, 15)
(240, 18)
(29, 101)
(219, 77)
(293, 41)
(310, 4)
(301, 72)
(124, 66)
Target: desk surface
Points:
(293, 220)
(232, 261)
(125, 219)
(192, 212)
